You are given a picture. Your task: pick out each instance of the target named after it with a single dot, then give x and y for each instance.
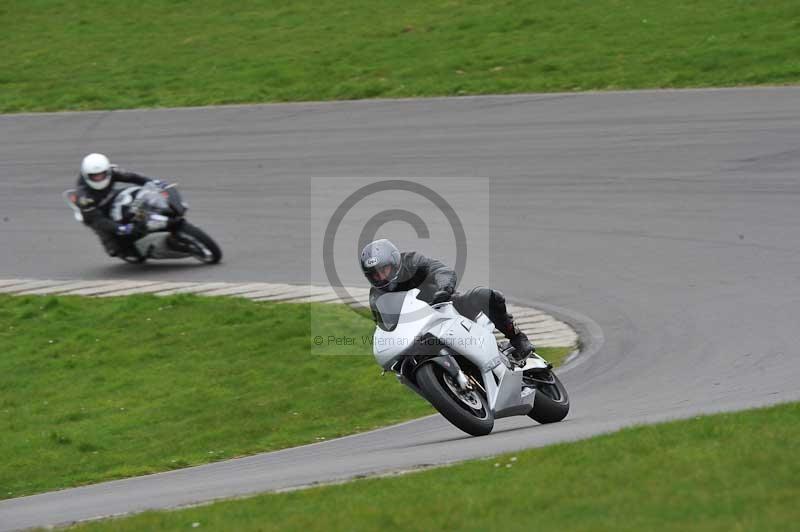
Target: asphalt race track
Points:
(663, 224)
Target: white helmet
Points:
(96, 171)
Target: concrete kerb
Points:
(547, 326)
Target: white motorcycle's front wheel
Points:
(552, 401)
(467, 410)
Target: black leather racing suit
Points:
(431, 276)
(95, 206)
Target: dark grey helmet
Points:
(380, 262)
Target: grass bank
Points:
(95, 389)
(84, 54)
(727, 472)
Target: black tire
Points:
(130, 259)
(430, 378)
(551, 403)
(197, 240)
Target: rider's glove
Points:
(125, 229)
(441, 296)
(160, 184)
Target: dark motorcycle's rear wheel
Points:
(460, 411)
(201, 246)
(551, 403)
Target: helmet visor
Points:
(382, 275)
(98, 177)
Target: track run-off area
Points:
(661, 225)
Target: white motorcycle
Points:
(161, 212)
(458, 366)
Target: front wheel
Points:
(200, 245)
(468, 410)
(551, 403)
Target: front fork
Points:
(448, 362)
(407, 369)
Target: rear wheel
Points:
(551, 403)
(199, 244)
(467, 410)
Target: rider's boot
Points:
(519, 341)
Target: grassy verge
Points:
(106, 54)
(727, 472)
(94, 389)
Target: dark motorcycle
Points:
(159, 215)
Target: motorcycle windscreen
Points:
(388, 307)
(153, 200)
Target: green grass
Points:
(92, 389)
(727, 472)
(107, 54)
(95, 389)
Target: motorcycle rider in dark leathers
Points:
(95, 195)
(389, 270)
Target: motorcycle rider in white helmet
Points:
(96, 192)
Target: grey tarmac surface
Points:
(663, 224)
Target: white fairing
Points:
(535, 362)
(141, 201)
(123, 198)
(414, 318)
(474, 340)
(154, 246)
(417, 318)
